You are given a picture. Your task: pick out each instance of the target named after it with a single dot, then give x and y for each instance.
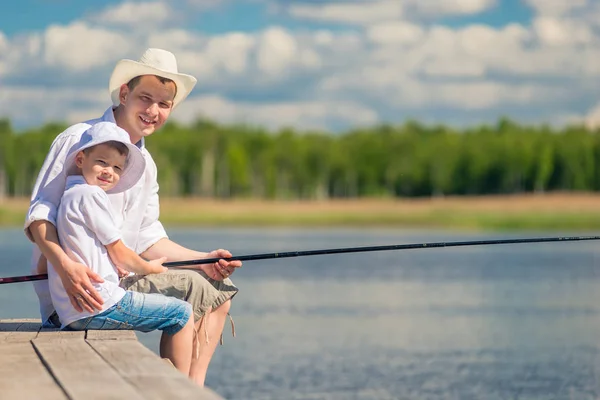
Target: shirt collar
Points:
(109, 116)
(74, 180)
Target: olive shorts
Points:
(193, 286)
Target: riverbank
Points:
(559, 211)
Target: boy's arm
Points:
(123, 257)
(175, 252)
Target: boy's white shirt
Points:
(85, 224)
(136, 210)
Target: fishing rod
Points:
(289, 254)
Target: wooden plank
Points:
(23, 376)
(14, 331)
(79, 370)
(111, 335)
(10, 325)
(6, 322)
(52, 335)
(153, 377)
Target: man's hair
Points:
(135, 81)
(113, 144)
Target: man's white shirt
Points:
(135, 211)
(85, 225)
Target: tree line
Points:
(408, 160)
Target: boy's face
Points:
(147, 107)
(101, 166)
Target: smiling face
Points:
(146, 104)
(102, 165)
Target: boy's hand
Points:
(122, 273)
(157, 265)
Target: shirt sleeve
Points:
(151, 230)
(98, 217)
(50, 183)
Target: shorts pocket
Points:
(107, 324)
(113, 324)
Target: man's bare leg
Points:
(214, 328)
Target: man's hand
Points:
(221, 269)
(77, 282)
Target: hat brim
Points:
(134, 166)
(126, 70)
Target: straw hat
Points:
(153, 62)
(103, 132)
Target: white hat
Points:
(103, 132)
(153, 62)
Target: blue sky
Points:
(326, 64)
(35, 15)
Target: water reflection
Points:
(458, 323)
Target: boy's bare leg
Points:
(178, 347)
(214, 327)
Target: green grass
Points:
(457, 215)
(451, 219)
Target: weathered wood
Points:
(80, 371)
(23, 376)
(111, 335)
(154, 380)
(52, 335)
(51, 364)
(18, 331)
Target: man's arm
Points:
(175, 252)
(75, 277)
(153, 241)
(123, 257)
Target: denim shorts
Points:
(141, 312)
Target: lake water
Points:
(483, 322)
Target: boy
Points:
(104, 161)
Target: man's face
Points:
(147, 107)
(101, 166)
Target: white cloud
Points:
(557, 7)
(300, 114)
(592, 118)
(78, 47)
(455, 67)
(553, 31)
(485, 95)
(175, 39)
(3, 43)
(20, 103)
(276, 51)
(230, 51)
(135, 14)
(367, 12)
(350, 12)
(319, 78)
(397, 32)
(259, 58)
(206, 4)
(451, 7)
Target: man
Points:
(144, 93)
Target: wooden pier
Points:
(50, 364)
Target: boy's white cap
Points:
(103, 132)
(153, 62)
